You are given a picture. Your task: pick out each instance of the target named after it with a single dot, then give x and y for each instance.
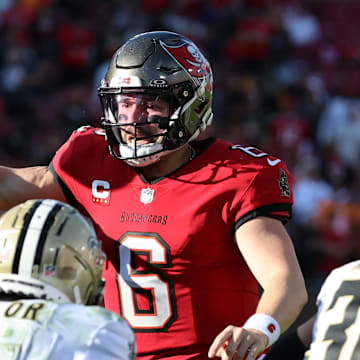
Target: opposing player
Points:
(190, 227)
(333, 333)
(50, 267)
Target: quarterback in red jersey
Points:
(190, 228)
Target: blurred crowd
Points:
(287, 80)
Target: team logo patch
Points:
(100, 191)
(49, 271)
(271, 328)
(147, 195)
(190, 58)
(284, 184)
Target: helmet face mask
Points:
(166, 67)
(136, 123)
(50, 251)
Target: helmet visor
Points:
(134, 108)
(136, 119)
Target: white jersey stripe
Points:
(32, 236)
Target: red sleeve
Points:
(74, 161)
(268, 194)
(61, 167)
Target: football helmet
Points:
(150, 70)
(48, 250)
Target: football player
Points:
(333, 333)
(50, 268)
(190, 227)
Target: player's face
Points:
(138, 109)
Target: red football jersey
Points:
(174, 271)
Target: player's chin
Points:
(131, 140)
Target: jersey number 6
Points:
(147, 299)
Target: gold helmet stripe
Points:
(35, 234)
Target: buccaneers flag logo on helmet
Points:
(190, 58)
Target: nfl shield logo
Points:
(147, 196)
(49, 270)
